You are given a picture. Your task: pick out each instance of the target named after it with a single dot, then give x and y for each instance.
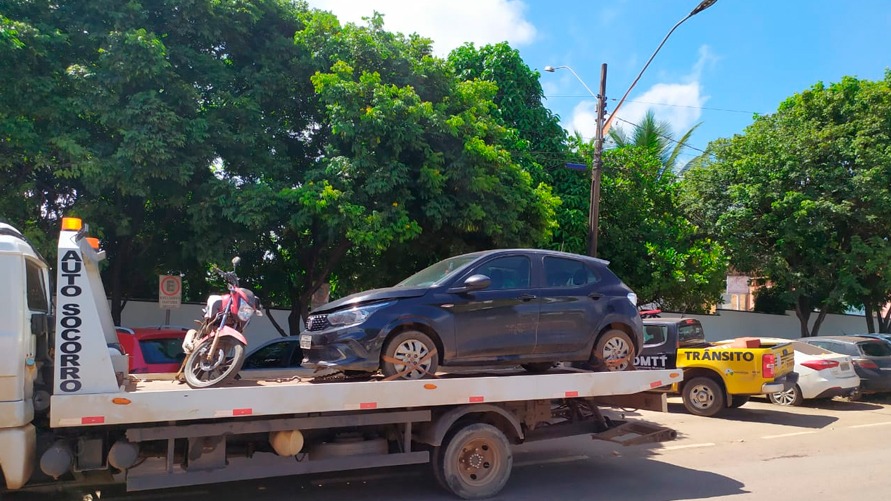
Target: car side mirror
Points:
(472, 283)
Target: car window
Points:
(162, 350)
(691, 333)
(269, 356)
(826, 345)
(511, 272)
(438, 272)
(563, 272)
(36, 287)
(655, 334)
(874, 349)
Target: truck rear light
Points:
(819, 365)
(768, 364)
(865, 363)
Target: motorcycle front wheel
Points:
(222, 367)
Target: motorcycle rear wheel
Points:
(225, 365)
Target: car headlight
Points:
(633, 298)
(354, 316)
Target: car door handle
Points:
(526, 297)
(595, 295)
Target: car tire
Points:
(414, 347)
(537, 367)
(613, 345)
(790, 397)
(703, 396)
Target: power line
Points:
(666, 104)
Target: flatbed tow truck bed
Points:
(146, 400)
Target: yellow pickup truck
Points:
(716, 375)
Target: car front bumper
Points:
(347, 349)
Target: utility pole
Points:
(597, 168)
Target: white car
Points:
(821, 374)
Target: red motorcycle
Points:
(215, 351)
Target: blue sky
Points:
(737, 58)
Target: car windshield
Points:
(875, 349)
(438, 272)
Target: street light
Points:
(603, 126)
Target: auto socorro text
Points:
(71, 321)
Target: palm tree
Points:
(656, 136)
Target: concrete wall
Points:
(729, 324)
(726, 324)
(146, 314)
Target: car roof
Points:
(843, 339)
(542, 252)
(668, 321)
(159, 331)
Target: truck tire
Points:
(473, 462)
(614, 351)
(413, 347)
(703, 396)
(737, 401)
(790, 397)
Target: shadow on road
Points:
(771, 415)
(603, 477)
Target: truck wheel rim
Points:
(702, 396)
(412, 351)
(479, 462)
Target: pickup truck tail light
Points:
(768, 364)
(864, 363)
(819, 365)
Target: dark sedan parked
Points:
(871, 357)
(497, 307)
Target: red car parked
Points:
(153, 349)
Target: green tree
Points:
(803, 197)
(657, 137)
(650, 244)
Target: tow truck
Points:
(72, 418)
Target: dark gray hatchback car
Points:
(499, 307)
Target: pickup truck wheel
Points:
(474, 462)
(703, 396)
(790, 397)
(614, 351)
(409, 355)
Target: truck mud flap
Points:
(634, 433)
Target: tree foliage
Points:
(803, 197)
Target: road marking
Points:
(869, 425)
(567, 459)
(688, 446)
(791, 434)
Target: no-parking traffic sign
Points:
(170, 291)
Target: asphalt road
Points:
(831, 450)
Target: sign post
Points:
(170, 293)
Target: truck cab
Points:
(716, 375)
(25, 320)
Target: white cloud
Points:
(677, 103)
(449, 23)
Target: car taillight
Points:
(768, 364)
(865, 364)
(819, 365)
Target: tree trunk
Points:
(870, 324)
(884, 320)
(803, 312)
(818, 322)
